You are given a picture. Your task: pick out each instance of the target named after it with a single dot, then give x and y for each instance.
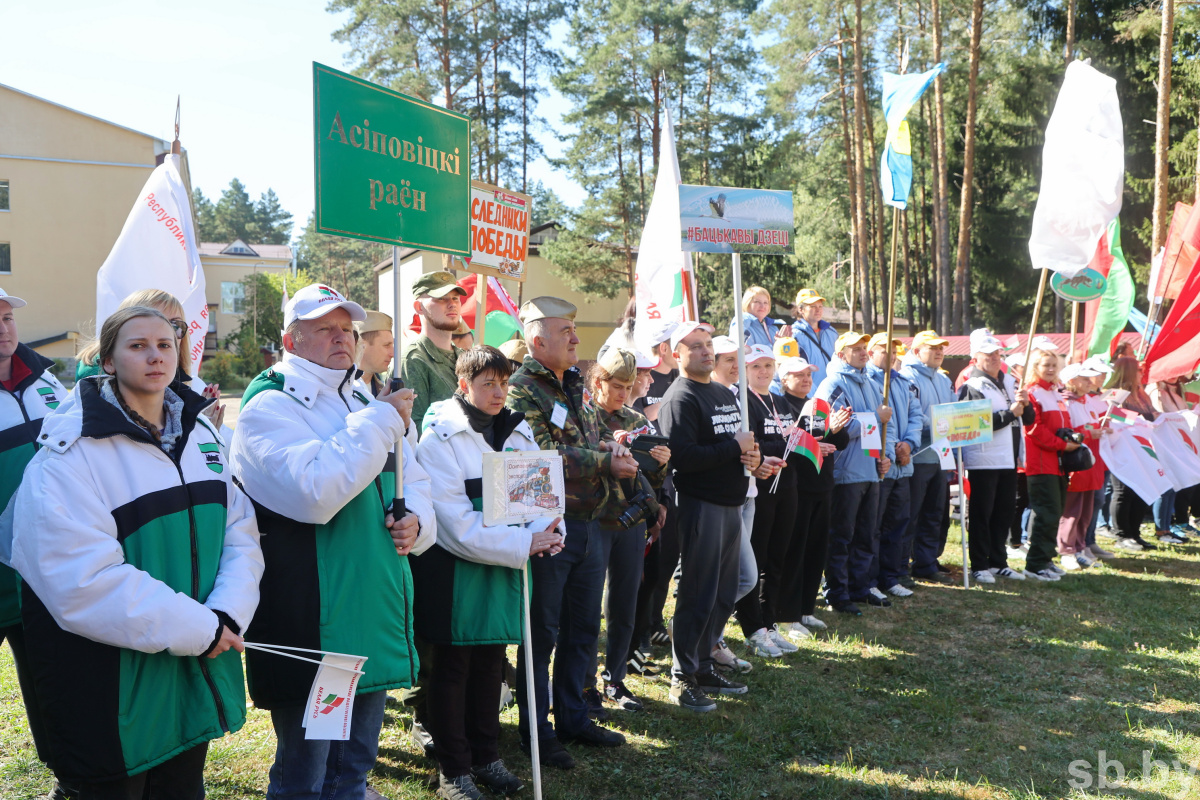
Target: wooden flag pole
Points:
(1037, 312)
(891, 301)
(480, 306)
(1074, 328)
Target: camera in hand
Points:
(643, 505)
(1078, 460)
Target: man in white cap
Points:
(28, 393)
(315, 456)
(702, 422)
(655, 341)
(725, 361)
(992, 466)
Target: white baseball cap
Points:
(658, 331)
(15, 302)
(1098, 364)
(682, 330)
(1044, 344)
(647, 362)
(1077, 371)
(982, 341)
(317, 300)
(758, 352)
(790, 366)
(724, 344)
(1016, 359)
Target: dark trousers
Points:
(771, 538)
(180, 778)
(710, 548)
(805, 560)
(989, 516)
(929, 493)
(1047, 496)
(1016, 526)
(566, 593)
(848, 566)
(1127, 510)
(668, 559)
(892, 560)
(626, 553)
(1183, 505)
(463, 701)
(15, 636)
(642, 622)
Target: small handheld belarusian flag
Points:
(807, 445)
(1123, 416)
(818, 410)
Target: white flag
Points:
(1176, 450)
(1083, 172)
(663, 267)
(157, 250)
(1129, 453)
(944, 453)
(869, 437)
(331, 698)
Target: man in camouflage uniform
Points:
(427, 365)
(567, 587)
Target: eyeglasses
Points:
(180, 327)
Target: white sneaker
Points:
(1084, 560)
(1057, 569)
(1098, 553)
(760, 645)
(1070, 563)
(1010, 573)
(798, 631)
(1014, 552)
(878, 595)
(1046, 574)
(900, 590)
(725, 658)
(983, 576)
(993, 570)
(781, 641)
(812, 623)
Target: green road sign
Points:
(390, 168)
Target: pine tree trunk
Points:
(963, 290)
(908, 287)
(860, 167)
(850, 181)
(881, 253)
(1162, 139)
(941, 199)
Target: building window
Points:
(4, 196)
(212, 318)
(5, 258)
(233, 297)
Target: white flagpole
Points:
(398, 508)
(530, 694)
(743, 384)
(962, 517)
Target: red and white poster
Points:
(499, 231)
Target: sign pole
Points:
(744, 390)
(1074, 329)
(481, 287)
(1037, 312)
(398, 508)
(962, 517)
(530, 693)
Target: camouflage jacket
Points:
(429, 371)
(536, 392)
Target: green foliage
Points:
(345, 264)
(235, 216)
(222, 368)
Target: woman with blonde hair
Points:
(1047, 483)
(758, 327)
(140, 562)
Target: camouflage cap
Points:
(547, 308)
(436, 284)
(620, 364)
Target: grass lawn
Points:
(987, 693)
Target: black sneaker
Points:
(907, 582)
(460, 788)
(687, 694)
(936, 577)
(712, 681)
(943, 570)
(594, 735)
(872, 600)
(848, 608)
(496, 778)
(660, 637)
(423, 739)
(595, 704)
(551, 753)
(617, 694)
(642, 665)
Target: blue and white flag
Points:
(900, 94)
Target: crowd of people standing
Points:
(146, 543)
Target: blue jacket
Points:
(755, 334)
(825, 340)
(847, 387)
(933, 388)
(906, 415)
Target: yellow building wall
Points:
(63, 217)
(595, 320)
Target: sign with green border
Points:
(389, 168)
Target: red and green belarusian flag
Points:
(818, 409)
(807, 445)
(1106, 317)
(1123, 416)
